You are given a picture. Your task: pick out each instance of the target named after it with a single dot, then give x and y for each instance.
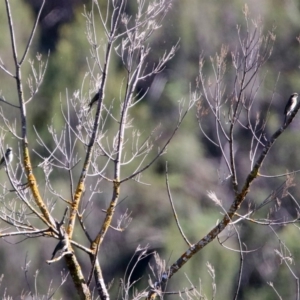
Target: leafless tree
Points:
(228, 105)
(104, 152)
(126, 37)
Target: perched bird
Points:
(95, 99)
(61, 247)
(290, 106)
(7, 158)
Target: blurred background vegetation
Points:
(202, 28)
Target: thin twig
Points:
(173, 208)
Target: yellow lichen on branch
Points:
(109, 213)
(74, 210)
(34, 189)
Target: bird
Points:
(95, 99)
(61, 247)
(7, 158)
(290, 106)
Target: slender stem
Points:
(32, 33)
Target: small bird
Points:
(290, 106)
(95, 99)
(7, 158)
(61, 247)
